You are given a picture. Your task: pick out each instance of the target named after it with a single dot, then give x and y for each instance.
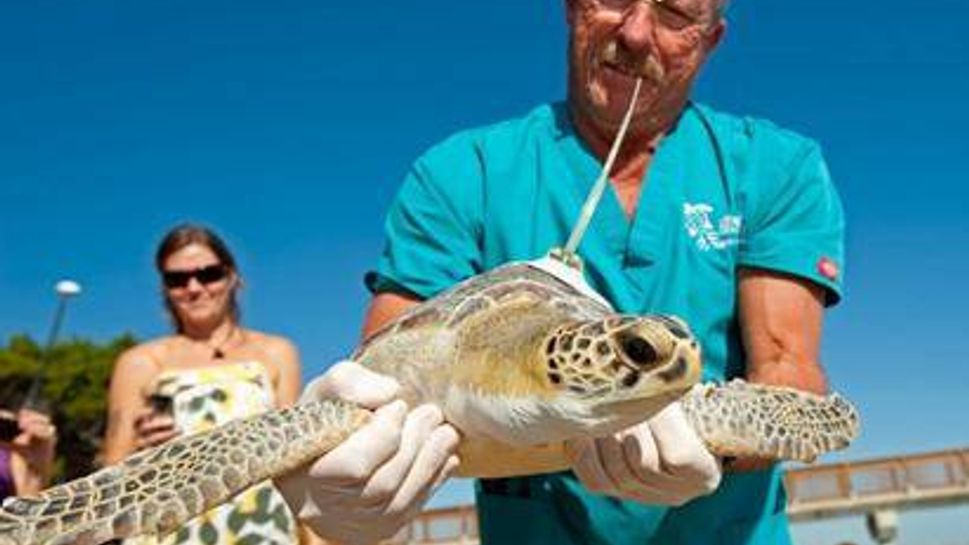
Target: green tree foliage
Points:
(76, 375)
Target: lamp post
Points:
(65, 289)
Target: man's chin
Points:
(609, 115)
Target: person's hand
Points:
(37, 440)
(379, 478)
(659, 461)
(153, 428)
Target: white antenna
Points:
(568, 254)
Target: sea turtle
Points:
(520, 359)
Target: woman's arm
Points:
(131, 423)
(289, 378)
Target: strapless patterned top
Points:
(202, 399)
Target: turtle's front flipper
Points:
(158, 490)
(745, 419)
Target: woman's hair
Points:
(185, 235)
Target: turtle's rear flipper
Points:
(159, 490)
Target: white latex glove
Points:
(374, 483)
(659, 461)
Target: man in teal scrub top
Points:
(731, 223)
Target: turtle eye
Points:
(638, 350)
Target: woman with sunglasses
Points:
(208, 371)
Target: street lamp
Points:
(65, 289)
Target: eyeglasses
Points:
(671, 14)
(205, 275)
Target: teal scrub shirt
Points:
(721, 193)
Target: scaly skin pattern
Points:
(744, 419)
(518, 359)
(157, 490)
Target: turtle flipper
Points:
(159, 490)
(745, 419)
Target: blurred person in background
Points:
(26, 453)
(211, 370)
(208, 371)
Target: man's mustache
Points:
(644, 65)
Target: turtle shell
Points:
(507, 285)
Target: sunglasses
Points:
(205, 275)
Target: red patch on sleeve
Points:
(828, 268)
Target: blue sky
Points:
(289, 127)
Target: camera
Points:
(9, 429)
(161, 404)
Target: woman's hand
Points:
(37, 440)
(153, 428)
(32, 452)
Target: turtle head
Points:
(622, 360)
(617, 371)
(577, 378)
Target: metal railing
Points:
(814, 492)
(450, 526)
(899, 482)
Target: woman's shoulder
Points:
(146, 355)
(276, 344)
(138, 367)
(280, 352)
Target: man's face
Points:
(613, 42)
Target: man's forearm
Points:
(807, 376)
(781, 321)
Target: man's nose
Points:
(638, 27)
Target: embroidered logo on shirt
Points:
(828, 268)
(697, 218)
